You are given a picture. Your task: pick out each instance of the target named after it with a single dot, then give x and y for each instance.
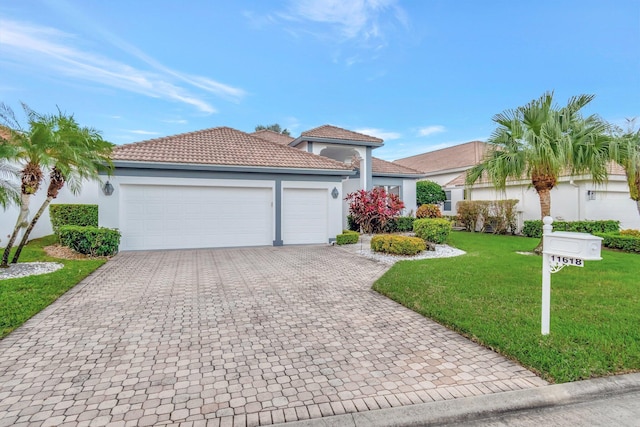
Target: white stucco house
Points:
(573, 198)
(221, 187)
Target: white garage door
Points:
(177, 217)
(304, 216)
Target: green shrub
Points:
(533, 228)
(630, 232)
(429, 192)
(435, 230)
(397, 245)
(400, 224)
(428, 211)
(70, 214)
(625, 243)
(347, 237)
(352, 224)
(92, 241)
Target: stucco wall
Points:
(90, 194)
(569, 201)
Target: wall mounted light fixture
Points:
(335, 193)
(107, 188)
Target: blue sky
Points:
(422, 75)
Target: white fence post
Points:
(546, 277)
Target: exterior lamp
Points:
(335, 193)
(107, 188)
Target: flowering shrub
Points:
(371, 210)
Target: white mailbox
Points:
(562, 248)
(575, 245)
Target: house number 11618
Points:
(563, 260)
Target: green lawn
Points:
(493, 296)
(22, 298)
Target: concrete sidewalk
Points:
(600, 402)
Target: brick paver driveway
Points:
(234, 337)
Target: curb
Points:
(485, 406)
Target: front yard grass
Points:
(492, 295)
(23, 297)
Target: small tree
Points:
(429, 193)
(274, 128)
(371, 210)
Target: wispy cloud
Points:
(379, 133)
(142, 132)
(352, 18)
(176, 121)
(45, 47)
(431, 130)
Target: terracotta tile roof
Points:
(269, 135)
(458, 156)
(612, 169)
(333, 132)
(390, 168)
(222, 146)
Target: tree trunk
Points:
(545, 210)
(21, 223)
(27, 232)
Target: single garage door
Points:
(304, 216)
(177, 217)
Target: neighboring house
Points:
(446, 166)
(221, 187)
(573, 198)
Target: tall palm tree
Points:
(627, 154)
(541, 142)
(79, 154)
(32, 145)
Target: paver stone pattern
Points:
(235, 337)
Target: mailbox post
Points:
(562, 248)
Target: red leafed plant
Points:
(371, 210)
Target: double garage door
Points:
(179, 217)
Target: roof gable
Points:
(222, 146)
(459, 156)
(269, 135)
(334, 132)
(383, 167)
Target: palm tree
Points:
(9, 191)
(31, 147)
(541, 142)
(627, 154)
(80, 154)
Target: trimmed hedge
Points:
(73, 214)
(435, 230)
(533, 228)
(625, 243)
(397, 245)
(91, 241)
(630, 232)
(347, 237)
(400, 224)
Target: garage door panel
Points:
(305, 216)
(171, 217)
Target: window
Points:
(447, 203)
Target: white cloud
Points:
(176, 121)
(379, 133)
(430, 130)
(359, 19)
(143, 132)
(45, 47)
